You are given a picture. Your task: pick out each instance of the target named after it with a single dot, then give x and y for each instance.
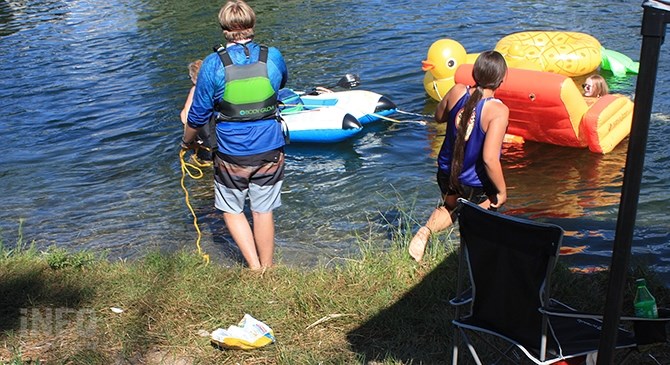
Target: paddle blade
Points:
(349, 81)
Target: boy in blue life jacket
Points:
(237, 86)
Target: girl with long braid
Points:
(469, 159)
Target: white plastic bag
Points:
(249, 334)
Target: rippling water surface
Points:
(91, 92)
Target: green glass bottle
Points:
(645, 303)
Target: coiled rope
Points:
(194, 171)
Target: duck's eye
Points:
(451, 63)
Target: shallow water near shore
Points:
(91, 93)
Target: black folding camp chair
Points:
(509, 261)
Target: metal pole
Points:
(656, 15)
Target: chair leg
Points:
(454, 352)
(471, 348)
(653, 358)
(509, 354)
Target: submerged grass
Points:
(377, 308)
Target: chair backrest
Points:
(510, 261)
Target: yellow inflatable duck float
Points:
(546, 105)
(444, 57)
(564, 53)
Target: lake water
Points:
(91, 92)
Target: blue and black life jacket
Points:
(248, 94)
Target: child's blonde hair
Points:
(600, 87)
(193, 69)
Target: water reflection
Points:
(333, 158)
(547, 181)
(552, 181)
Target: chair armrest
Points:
(559, 309)
(460, 301)
(663, 316)
(646, 330)
(650, 331)
(464, 298)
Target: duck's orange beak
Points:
(427, 65)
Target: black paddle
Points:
(349, 81)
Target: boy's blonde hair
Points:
(237, 19)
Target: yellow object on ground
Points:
(249, 334)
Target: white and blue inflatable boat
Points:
(329, 117)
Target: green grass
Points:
(379, 307)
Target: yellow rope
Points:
(388, 119)
(195, 172)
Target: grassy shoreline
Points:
(378, 308)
